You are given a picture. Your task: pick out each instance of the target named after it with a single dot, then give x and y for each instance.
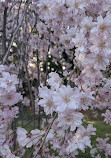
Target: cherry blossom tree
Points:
(55, 61)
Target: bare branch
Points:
(13, 37)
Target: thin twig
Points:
(46, 134)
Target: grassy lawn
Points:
(102, 130)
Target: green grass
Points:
(102, 130)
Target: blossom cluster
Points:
(102, 145)
(68, 103)
(8, 109)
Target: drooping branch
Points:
(38, 73)
(4, 30)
